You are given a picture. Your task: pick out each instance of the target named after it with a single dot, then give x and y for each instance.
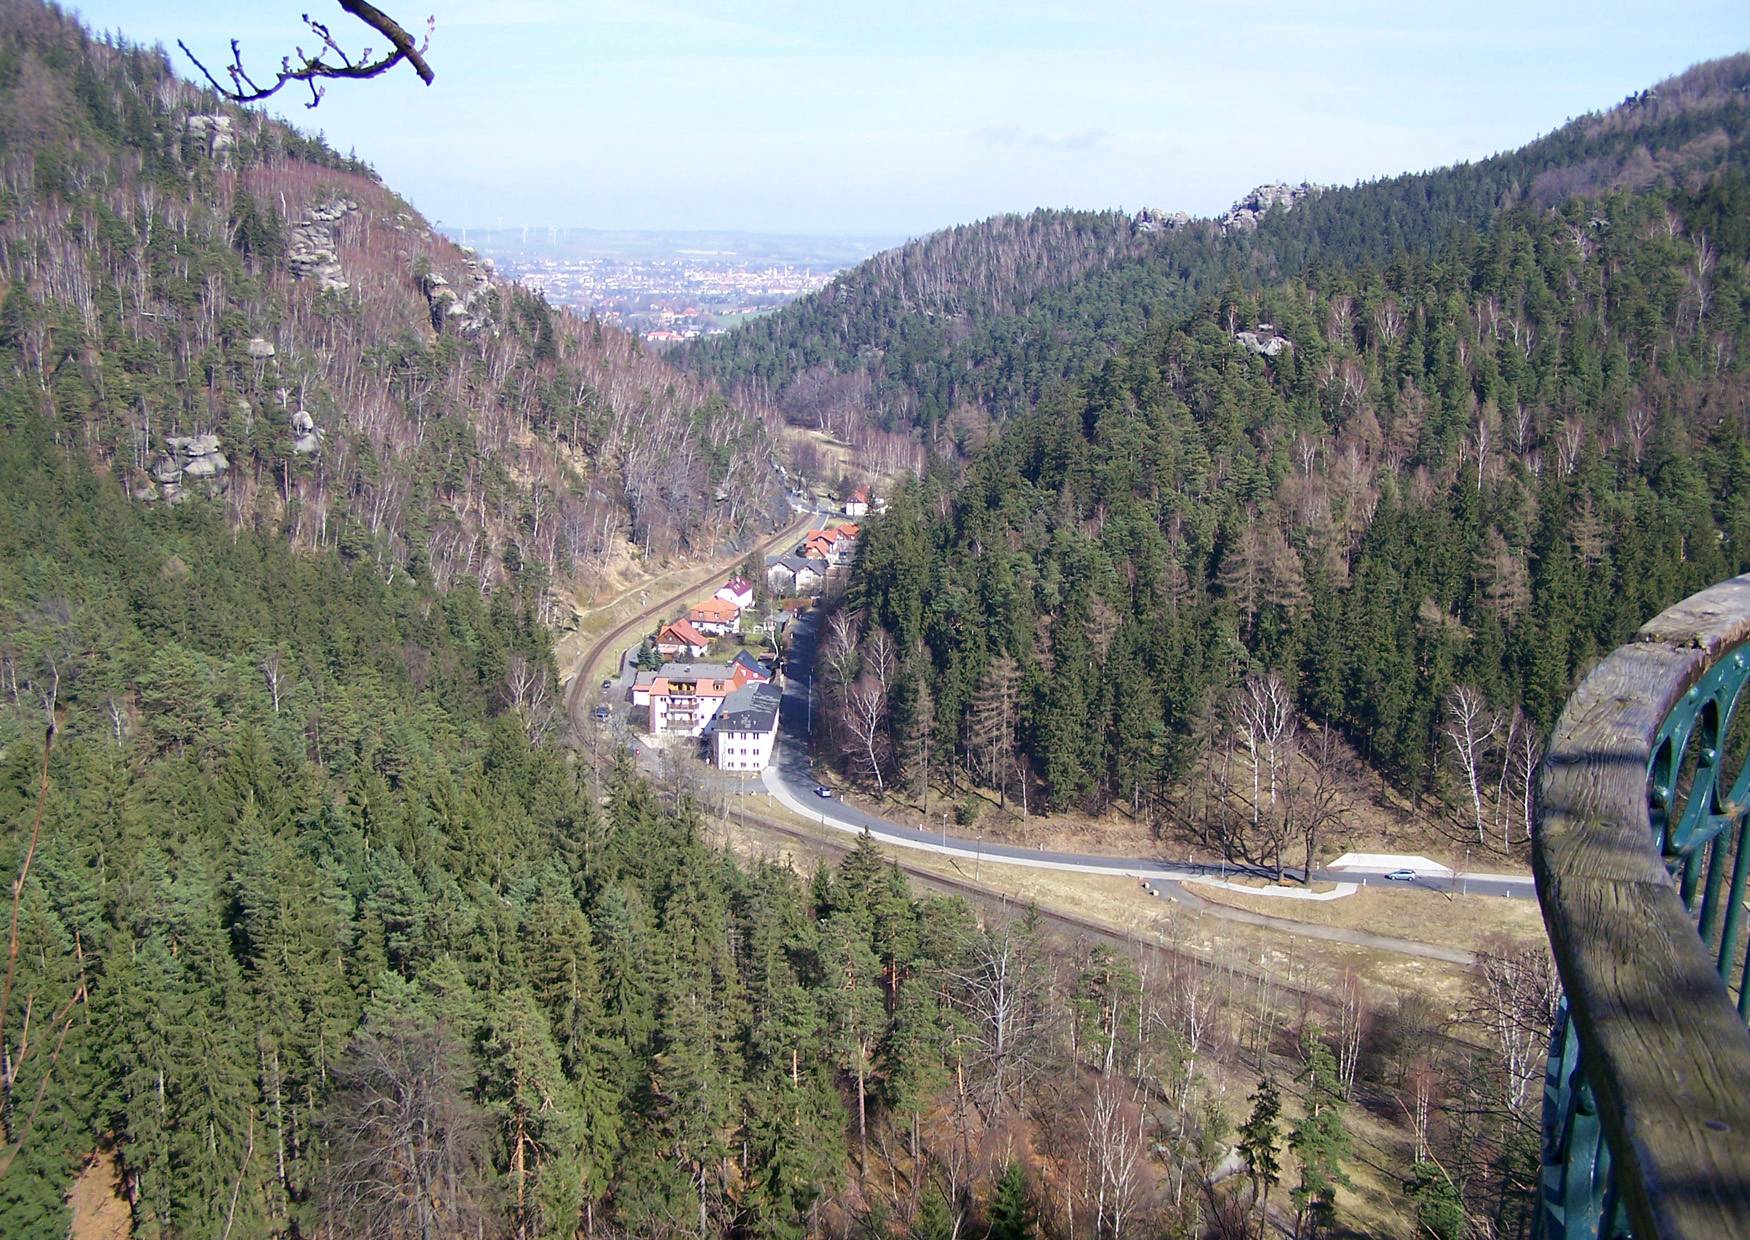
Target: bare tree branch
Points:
(329, 61)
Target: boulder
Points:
(260, 349)
(211, 465)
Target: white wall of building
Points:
(742, 751)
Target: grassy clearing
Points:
(1420, 916)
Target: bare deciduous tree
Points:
(406, 1149)
(1469, 727)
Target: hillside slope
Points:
(218, 306)
(978, 322)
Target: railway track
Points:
(576, 692)
(1073, 926)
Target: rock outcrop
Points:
(1246, 214)
(1154, 220)
(306, 435)
(1264, 341)
(310, 249)
(212, 137)
(469, 314)
(186, 460)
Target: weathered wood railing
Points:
(1641, 862)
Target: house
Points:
(837, 544)
(857, 502)
(746, 728)
(737, 590)
(756, 671)
(685, 697)
(818, 546)
(792, 575)
(715, 616)
(641, 688)
(681, 640)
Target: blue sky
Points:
(901, 117)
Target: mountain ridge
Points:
(1027, 316)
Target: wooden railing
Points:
(1641, 862)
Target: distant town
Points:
(669, 286)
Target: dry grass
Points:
(1420, 916)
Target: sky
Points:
(896, 118)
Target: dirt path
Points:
(1310, 930)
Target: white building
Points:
(685, 697)
(746, 728)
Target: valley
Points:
(1091, 722)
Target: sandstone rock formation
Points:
(186, 459)
(1261, 342)
(1248, 212)
(310, 249)
(1153, 220)
(468, 314)
(211, 136)
(306, 435)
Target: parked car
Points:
(821, 790)
(1402, 876)
(607, 684)
(601, 714)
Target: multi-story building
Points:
(746, 728)
(685, 697)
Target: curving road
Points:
(791, 779)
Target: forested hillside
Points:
(319, 930)
(1411, 501)
(977, 323)
(218, 307)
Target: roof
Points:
(695, 671)
(753, 708)
(850, 529)
(681, 631)
(738, 585)
(754, 666)
(861, 493)
(714, 610)
(796, 563)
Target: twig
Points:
(311, 68)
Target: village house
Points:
(746, 728)
(791, 576)
(685, 697)
(716, 617)
(837, 544)
(737, 591)
(681, 640)
(857, 502)
(757, 672)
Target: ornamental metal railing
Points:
(1642, 860)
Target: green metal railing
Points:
(1642, 865)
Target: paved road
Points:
(791, 778)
